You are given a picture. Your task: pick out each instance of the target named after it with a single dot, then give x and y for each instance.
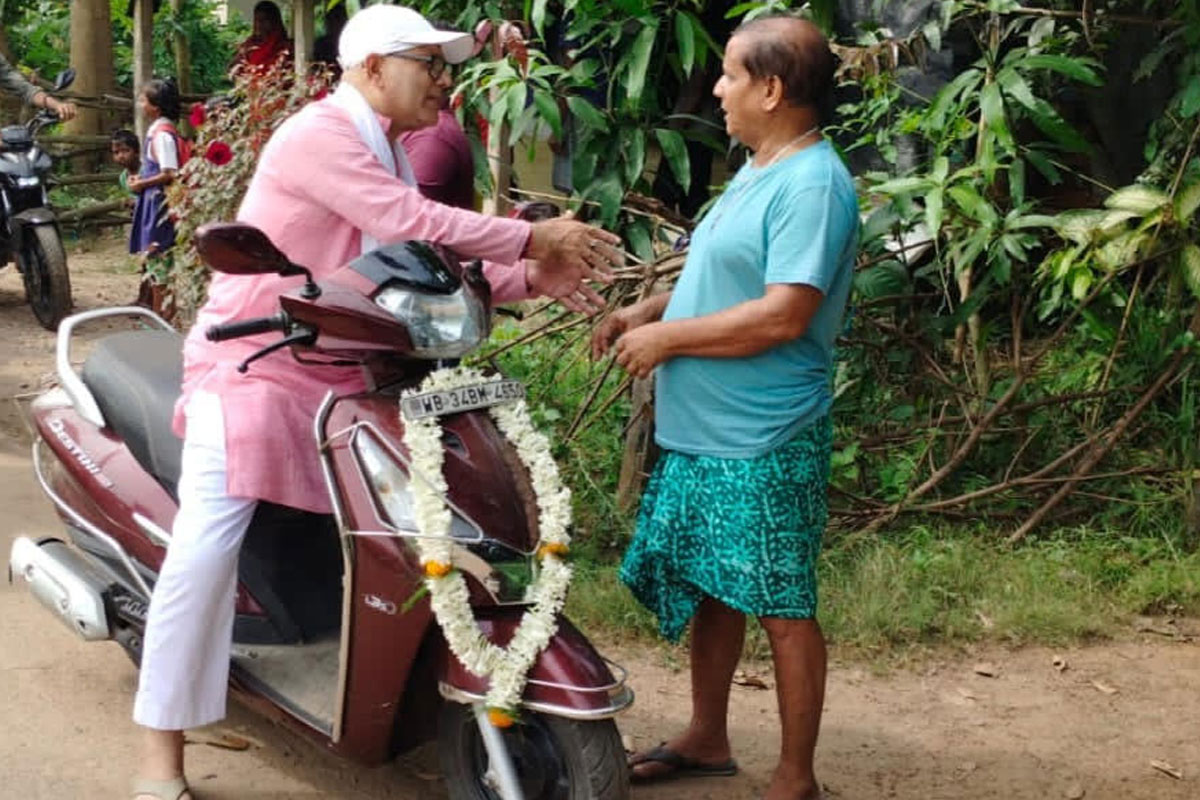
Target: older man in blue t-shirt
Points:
(732, 517)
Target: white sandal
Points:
(173, 789)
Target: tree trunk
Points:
(92, 58)
(143, 57)
(183, 52)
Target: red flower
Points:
(322, 93)
(219, 153)
(198, 115)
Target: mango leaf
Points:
(523, 125)
(685, 39)
(933, 211)
(1040, 112)
(1079, 69)
(1081, 281)
(1189, 100)
(1138, 198)
(991, 108)
(1041, 162)
(972, 203)
(583, 167)
(587, 113)
(1186, 203)
(538, 17)
(1189, 265)
(634, 78)
(1121, 249)
(741, 8)
(882, 280)
(547, 106)
(940, 106)
(639, 239)
(633, 150)
(608, 193)
(909, 185)
(674, 150)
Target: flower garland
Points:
(507, 667)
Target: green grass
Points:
(950, 586)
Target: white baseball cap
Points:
(382, 29)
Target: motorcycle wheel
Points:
(43, 264)
(555, 758)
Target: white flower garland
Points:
(507, 667)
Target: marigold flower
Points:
(552, 549)
(500, 718)
(437, 569)
(218, 153)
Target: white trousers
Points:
(189, 628)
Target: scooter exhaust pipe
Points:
(65, 583)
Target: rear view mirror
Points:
(64, 79)
(238, 249)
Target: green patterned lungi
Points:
(744, 531)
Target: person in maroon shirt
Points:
(441, 160)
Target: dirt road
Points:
(941, 730)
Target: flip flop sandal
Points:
(678, 766)
(162, 790)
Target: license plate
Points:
(464, 398)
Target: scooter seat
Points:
(135, 377)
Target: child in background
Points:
(125, 148)
(153, 232)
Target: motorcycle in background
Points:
(29, 231)
(331, 635)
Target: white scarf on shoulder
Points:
(366, 121)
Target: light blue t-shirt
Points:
(793, 222)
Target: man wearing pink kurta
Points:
(331, 184)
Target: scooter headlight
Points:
(440, 325)
(390, 487)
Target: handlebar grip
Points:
(246, 327)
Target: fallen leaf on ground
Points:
(1167, 769)
(225, 741)
(967, 694)
(987, 669)
(1074, 792)
(1059, 663)
(1104, 687)
(743, 678)
(985, 620)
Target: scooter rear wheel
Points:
(43, 263)
(555, 758)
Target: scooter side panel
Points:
(97, 476)
(384, 638)
(101, 480)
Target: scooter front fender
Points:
(570, 678)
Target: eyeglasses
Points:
(435, 64)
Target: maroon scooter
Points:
(331, 635)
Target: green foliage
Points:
(925, 586)
(39, 31)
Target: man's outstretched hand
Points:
(566, 254)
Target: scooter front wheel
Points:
(555, 758)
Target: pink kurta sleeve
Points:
(335, 168)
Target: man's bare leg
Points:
(717, 636)
(798, 649)
(162, 757)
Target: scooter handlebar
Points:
(247, 327)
